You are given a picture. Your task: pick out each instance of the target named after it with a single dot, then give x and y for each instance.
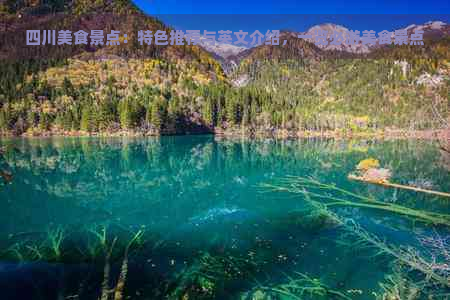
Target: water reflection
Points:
(196, 196)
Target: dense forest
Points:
(185, 90)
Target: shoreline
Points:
(430, 134)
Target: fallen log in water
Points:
(310, 188)
(400, 186)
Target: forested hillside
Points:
(182, 89)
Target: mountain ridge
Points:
(185, 89)
(432, 29)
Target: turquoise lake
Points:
(210, 218)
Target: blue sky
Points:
(294, 7)
(262, 15)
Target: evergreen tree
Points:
(67, 87)
(208, 111)
(3, 120)
(44, 121)
(231, 108)
(86, 118)
(156, 116)
(59, 120)
(125, 114)
(159, 112)
(31, 118)
(67, 120)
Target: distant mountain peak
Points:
(331, 28)
(430, 28)
(430, 25)
(223, 50)
(328, 27)
(435, 24)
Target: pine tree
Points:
(156, 116)
(31, 118)
(125, 114)
(67, 120)
(231, 111)
(3, 120)
(44, 121)
(76, 118)
(59, 120)
(67, 87)
(85, 123)
(208, 113)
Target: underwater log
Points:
(7, 177)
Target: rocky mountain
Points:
(97, 88)
(223, 50)
(230, 55)
(225, 54)
(294, 48)
(331, 29)
(432, 30)
(184, 89)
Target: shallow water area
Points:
(198, 217)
